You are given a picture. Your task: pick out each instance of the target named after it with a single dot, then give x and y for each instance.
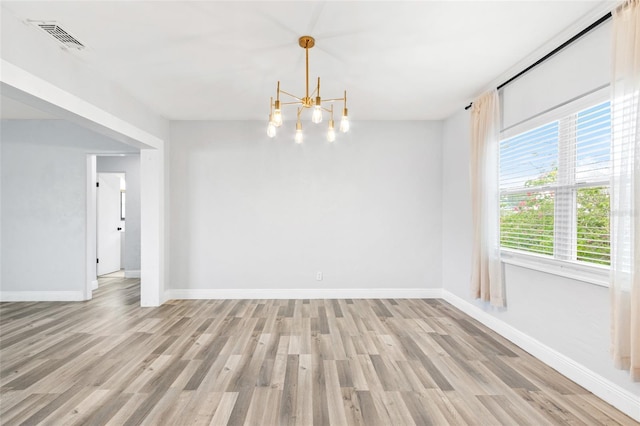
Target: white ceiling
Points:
(202, 60)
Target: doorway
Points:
(141, 260)
(111, 211)
(33, 91)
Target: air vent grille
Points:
(59, 34)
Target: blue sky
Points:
(534, 153)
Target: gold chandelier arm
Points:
(289, 94)
(333, 100)
(292, 103)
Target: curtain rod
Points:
(553, 52)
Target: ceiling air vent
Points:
(63, 37)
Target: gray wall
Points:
(130, 165)
(252, 212)
(44, 186)
(569, 316)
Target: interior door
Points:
(108, 223)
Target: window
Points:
(123, 200)
(554, 188)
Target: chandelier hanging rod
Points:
(308, 41)
(307, 101)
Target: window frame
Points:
(123, 201)
(566, 267)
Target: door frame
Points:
(152, 231)
(92, 227)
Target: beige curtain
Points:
(625, 189)
(486, 273)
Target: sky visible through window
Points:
(528, 156)
(534, 154)
(593, 134)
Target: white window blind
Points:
(554, 187)
(580, 68)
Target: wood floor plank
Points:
(288, 401)
(278, 374)
(304, 391)
(213, 350)
(77, 413)
(419, 412)
(337, 415)
(273, 362)
(259, 412)
(27, 407)
(551, 409)
(129, 407)
(224, 409)
(596, 408)
(397, 409)
(199, 408)
(319, 391)
(470, 410)
(352, 410)
(508, 375)
(72, 394)
(104, 412)
(368, 410)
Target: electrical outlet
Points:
(318, 276)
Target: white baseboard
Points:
(305, 293)
(133, 273)
(41, 296)
(94, 285)
(620, 398)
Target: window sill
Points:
(598, 275)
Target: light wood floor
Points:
(267, 362)
(116, 274)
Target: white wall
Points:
(44, 190)
(249, 212)
(569, 316)
(130, 165)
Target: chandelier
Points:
(312, 100)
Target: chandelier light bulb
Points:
(277, 114)
(317, 110)
(344, 123)
(271, 129)
(331, 133)
(277, 118)
(317, 114)
(298, 137)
